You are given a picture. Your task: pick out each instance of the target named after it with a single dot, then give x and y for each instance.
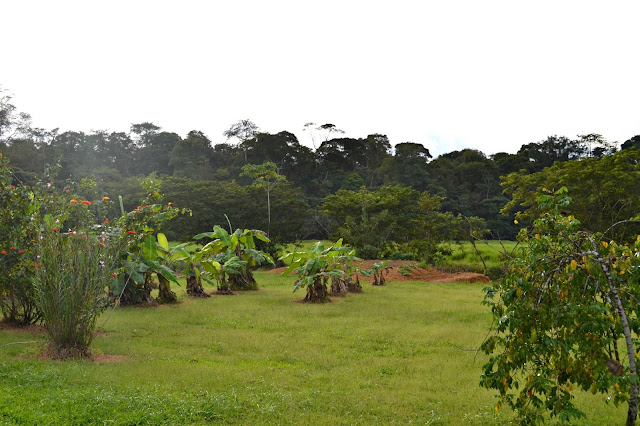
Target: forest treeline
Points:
(207, 176)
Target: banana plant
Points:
(149, 258)
(315, 268)
(221, 267)
(378, 271)
(190, 268)
(243, 245)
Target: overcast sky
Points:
(490, 75)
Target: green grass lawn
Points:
(382, 357)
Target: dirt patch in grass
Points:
(417, 273)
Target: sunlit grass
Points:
(389, 355)
(463, 253)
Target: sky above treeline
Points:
(489, 75)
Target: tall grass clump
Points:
(71, 274)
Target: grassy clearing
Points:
(381, 357)
(463, 253)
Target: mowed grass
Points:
(386, 356)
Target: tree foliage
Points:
(604, 190)
(566, 317)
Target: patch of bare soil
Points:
(417, 273)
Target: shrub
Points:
(71, 274)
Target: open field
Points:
(463, 253)
(385, 356)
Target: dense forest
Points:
(212, 178)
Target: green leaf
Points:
(162, 241)
(222, 235)
(167, 273)
(149, 248)
(262, 237)
(204, 235)
(212, 267)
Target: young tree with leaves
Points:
(567, 318)
(266, 175)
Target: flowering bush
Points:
(17, 230)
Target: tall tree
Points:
(191, 157)
(266, 175)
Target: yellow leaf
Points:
(604, 244)
(537, 236)
(516, 222)
(574, 264)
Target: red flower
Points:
(74, 201)
(13, 247)
(101, 244)
(3, 252)
(131, 232)
(106, 221)
(55, 229)
(21, 252)
(88, 203)
(37, 264)
(105, 198)
(67, 191)
(139, 207)
(114, 275)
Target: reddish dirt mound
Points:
(416, 274)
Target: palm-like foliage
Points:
(315, 268)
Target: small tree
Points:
(266, 175)
(568, 300)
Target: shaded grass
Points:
(381, 357)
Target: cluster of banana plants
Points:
(230, 258)
(316, 268)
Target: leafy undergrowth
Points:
(384, 356)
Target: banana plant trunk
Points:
(194, 287)
(165, 295)
(317, 292)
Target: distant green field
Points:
(398, 354)
(463, 253)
